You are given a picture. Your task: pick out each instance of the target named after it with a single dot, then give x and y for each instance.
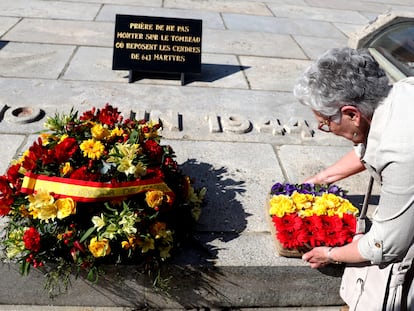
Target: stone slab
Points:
(351, 5)
(241, 7)
(139, 3)
(322, 14)
(281, 25)
(189, 287)
(49, 9)
(257, 43)
(237, 193)
(6, 23)
(10, 144)
(95, 64)
(30, 60)
(301, 162)
(206, 113)
(273, 73)
(67, 32)
(314, 48)
(210, 19)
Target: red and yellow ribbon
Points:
(90, 191)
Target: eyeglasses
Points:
(324, 125)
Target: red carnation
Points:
(287, 222)
(289, 239)
(4, 209)
(31, 239)
(30, 161)
(109, 115)
(13, 173)
(88, 115)
(66, 149)
(153, 148)
(82, 173)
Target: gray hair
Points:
(343, 77)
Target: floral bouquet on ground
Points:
(95, 189)
(306, 215)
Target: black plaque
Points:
(157, 44)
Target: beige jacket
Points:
(389, 156)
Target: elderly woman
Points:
(351, 97)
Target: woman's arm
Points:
(348, 165)
(321, 256)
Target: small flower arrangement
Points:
(307, 215)
(95, 189)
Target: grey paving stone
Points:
(351, 5)
(323, 14)
(281, 25)
(63, 32)
(30, 60)
(49, 9)
(348, 29)
(315, 47)
(95, 64)
(301, 162)
(399, 2)
(10, 143)
(254, 44)
(273, 73)
(6, 23)
(250, 60)
(236, 193)
(210, 19)
(144, 3)
(241, 7)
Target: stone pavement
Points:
(235, 127)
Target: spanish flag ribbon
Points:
(89, 191)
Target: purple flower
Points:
(306, 188)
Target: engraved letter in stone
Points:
(236, 124)
(170, 120)
(270, 125)
(214, 124)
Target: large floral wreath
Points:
(95, 189)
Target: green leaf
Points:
(93, 275)
(25, 268)
(87, 234)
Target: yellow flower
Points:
(92, 149)
(99, 132)
(159, 230)
(154, 198)
(165, 251)
(66, 169)
(146, 244)
(330, 201)
(45, 138)
(319, 208)
(152, 132)
(347, 208)
(65, 207)
(131, 243)
(63, 137)
(99, 248)
(302, 201)
(281, 205)
(42, 206)
(116, 132)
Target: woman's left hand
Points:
(317, 257)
